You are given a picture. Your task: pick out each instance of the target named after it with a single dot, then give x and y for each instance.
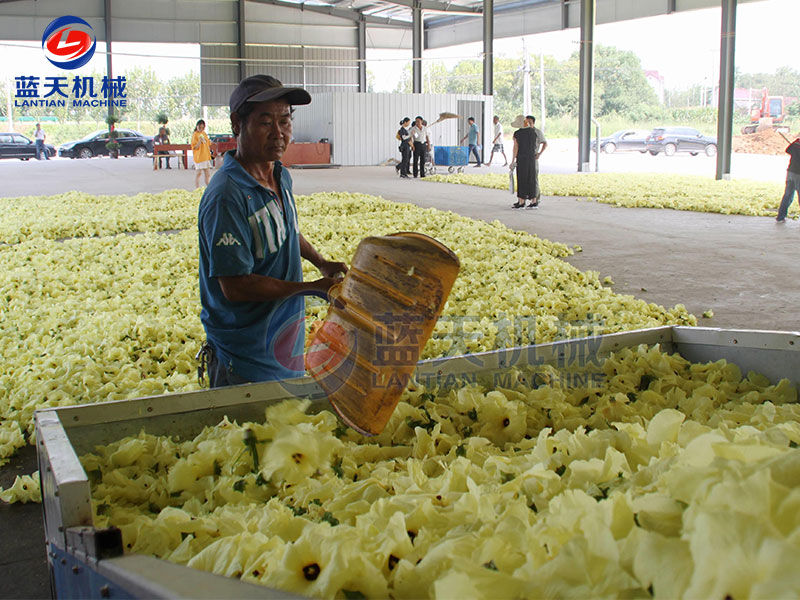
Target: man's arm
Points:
(327, 267)
(514, 154)
(542, 149)
(259, 288)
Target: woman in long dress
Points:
(527, 142)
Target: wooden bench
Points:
(167, 151)
(181, 152)
(297, 153)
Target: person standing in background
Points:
(497, 142)
(201, 152)
(404, 136)
(792, 179)
(529, 143)
(40, 149)
(474, 139)
(422, 144)
(161, 138)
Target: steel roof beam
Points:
(435, 6)
(342, 13)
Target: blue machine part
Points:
(75, 578)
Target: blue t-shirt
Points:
(244, 228)
(473, 134)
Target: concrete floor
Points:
(743, 268)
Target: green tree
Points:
(785, 81)
(143, 90)
(181, 97)
(621, 86)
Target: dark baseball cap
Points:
(265, 88)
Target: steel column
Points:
(488, 47)
(726, 74)
(362, 56)
(241, 20)
(586, 83)
(416, 64)
(671, 6)
(564, 14)
(107, 23)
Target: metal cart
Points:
(86, 562)
(455, 158)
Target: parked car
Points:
(131, 143)
(221, 137)
(16, 145)
(624, 140)
(670, 140)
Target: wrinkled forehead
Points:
(272, 108)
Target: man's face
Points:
(267, 132)
(471, 122)
(495, 120)
(418, 123)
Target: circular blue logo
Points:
(69, 42)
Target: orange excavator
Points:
(770, 114)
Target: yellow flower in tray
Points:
(297, 453)
(661, 502)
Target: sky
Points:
(761, 46)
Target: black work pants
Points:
(405, 162)
(419, 158)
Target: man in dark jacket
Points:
(792, 179)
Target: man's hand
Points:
(513, 165)
(325, 284)
(331, 268)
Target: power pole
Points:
(541, 88)
(526, 80)
(9, 112)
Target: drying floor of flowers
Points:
(678, 192)
(99, 294)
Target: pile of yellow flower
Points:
(665, 479)
(679, 192)
(92, 312)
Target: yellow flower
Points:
(297, 453)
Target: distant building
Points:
(656, 81)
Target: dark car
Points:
(221, 137)
(131, 143)
(670, 140)
(624, 140)
(16, 145)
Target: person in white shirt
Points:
(498, 141)
(40, 149)
(422, 144)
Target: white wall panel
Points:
(314, 121)
(307, 35)
(362, 127)
(266, 13)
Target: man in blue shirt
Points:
(251, 278)
(474, 136)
